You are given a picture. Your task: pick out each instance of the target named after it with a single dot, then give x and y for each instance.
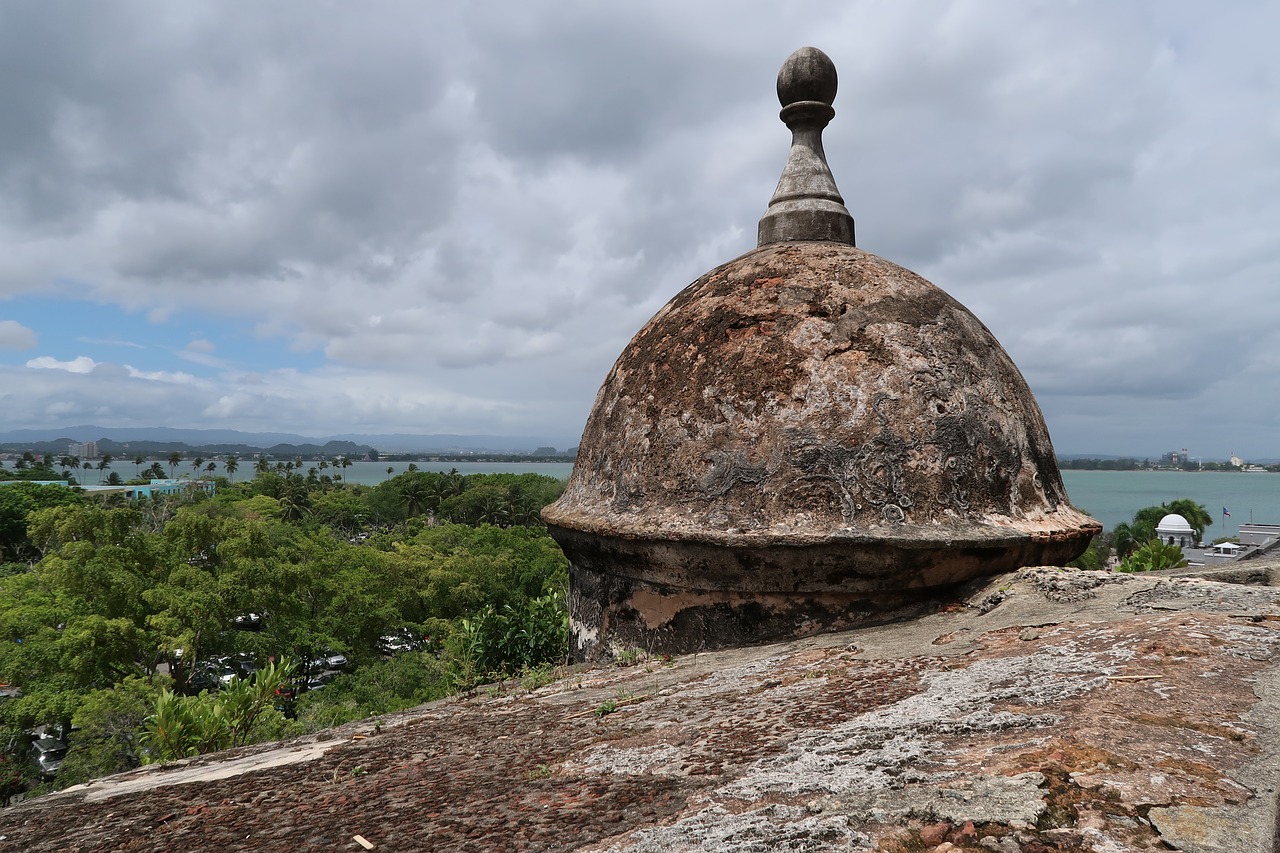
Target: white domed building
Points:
(1173, 529)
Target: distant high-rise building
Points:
(88, 450)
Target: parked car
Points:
(403, 640)
(48, 753)
(248, 622)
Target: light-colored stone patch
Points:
(1014, 800)
(880, 749)
(658, 760)
(765, 830)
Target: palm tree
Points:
(494, 508)
(262, 466)
(210, 468)
(414, 497)
(390, 470)
(231, 465)
(1122, 540)
(1195, 514)
(197, 464)
(174, 459)
(137, 465)
(103, 465)
(294, 501)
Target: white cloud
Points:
(80, 364)
(15, 336)
(177, 378)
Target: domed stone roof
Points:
(811, 392)
(1173, 523)
(804, 433)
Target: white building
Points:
(1173, 529)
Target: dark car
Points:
(48, 753)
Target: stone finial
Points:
(806, 205)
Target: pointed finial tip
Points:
(807, 75)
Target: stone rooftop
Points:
(1044, 710)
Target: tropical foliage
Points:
(1154, 555)
(123, 618)
(1127, 537)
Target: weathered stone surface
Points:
(1049, 710)
(808, 419)
(804, 439)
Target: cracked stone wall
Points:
(1047, 710)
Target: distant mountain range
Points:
(385, 443)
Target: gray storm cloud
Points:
(467, 212)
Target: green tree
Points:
(1195, 514)
(174, 459)
(103, 464)
(232, 464)
(17, 502)
(1122, 539)
(340, 509)
(295, 500)
(381, 687)
(1095, 556)
(108, 728)
(1128, 537)
(11, 779)
(488, 503)
(414, 495)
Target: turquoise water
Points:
(1109, 496)
(372, 473)
(1114, 496)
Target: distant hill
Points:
(234, 441)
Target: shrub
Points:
(1154, 555)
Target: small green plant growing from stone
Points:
(358, 771)
(629, 657)
(534, 677)
(542, 771)
(606, 707)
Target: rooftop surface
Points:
(1046, 710)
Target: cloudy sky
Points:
(325, 217)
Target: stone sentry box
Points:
(805, 439)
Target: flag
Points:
(1225, 514)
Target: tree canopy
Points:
(108, 611)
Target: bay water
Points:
(1114, 496)
(1109, 496)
